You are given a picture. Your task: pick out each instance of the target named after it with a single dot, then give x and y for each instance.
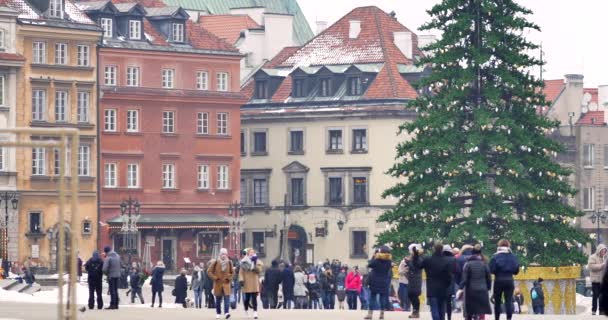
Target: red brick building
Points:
(169, 130)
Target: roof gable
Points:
(295, 167)
(228, 27)
(132, 9)
(167, 13)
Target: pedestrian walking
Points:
(196, 285)
(208, 286)
(504, 265)
(379, 279)
(476, 284)
(300, 290)
(249, 277)
(538, 297)
(94, 268)
(79, 266)
(341, 287)
(403, 285)
(287, 282)
(449, 303)
(272, 280)
(597, 265)
(157, 283)
(439, 275)
(135, 283)
(414, 278)
(364, 297)
(353, 288)
(221, 272)
(111, 267)
(180, 290)
(328, 289)
(314, 291)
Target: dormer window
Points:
(325, 87)
(354, 86)
(261, 89)
(106, 25)
(178, 32)
(56, 8)
(134, 29)
(299, 89)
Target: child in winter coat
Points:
(538, 297)
(135, 285)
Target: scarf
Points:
(224, 264)
(500, 250)
(247, 264)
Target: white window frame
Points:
(177, 31)
(83, 53)
(222, 123)
(61, 53)
(132, 76)
(84, 160)
(38, 161)
(134, 29)
(110, 175)
(39, 104)
(56, 9)
(169, 121)
(39, 52)
(202, 123)
(168, 176)
(110, 120)
(202, 80)
(110, 75)
(588, 202)
(203, 176)
(83, 106)
(223, 177)
(62, 106)
(588, 155)
(223, 79)
(133, 174)
(133, 120)
(168, 78)
(107, 26)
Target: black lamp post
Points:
(598, 216)
(129, 211)
(235, 212)
(340, 225)
(12, 198)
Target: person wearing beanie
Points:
(379, 280)
(111, 267)
(94, 269)
(538, 297)
(272, 280)
(221, 272)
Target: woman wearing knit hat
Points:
(221, 272)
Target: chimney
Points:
(321, 26)
(575, 80)
(404, 41)
(355, 29)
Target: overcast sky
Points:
(571, 29)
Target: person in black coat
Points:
(181, 288)
(449, 253)
(504, 265)
(157, 283)
(288, 281)
(414, 278)
(135, 285)
(94, 268)
(208, 288)
(476, 284)
(379, 279)
(538, 297)
(439, 272)
(272, 280)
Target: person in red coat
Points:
(353, 288)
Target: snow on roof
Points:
(75, 14)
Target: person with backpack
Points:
(135, 283)
(94, 268)
(157, 283)
(538, 297)
(221, 272)
(249, 278)
(504, 265)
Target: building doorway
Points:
(297, 241)
(168, 252)
(54, 237)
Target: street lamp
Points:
(598, 216)
(129, 212)
(235, 213)
(340, 225)
(12, 198)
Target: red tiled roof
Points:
(228, 27)
(552, 89)
(11, 56)
(592, 118)
(281, 57)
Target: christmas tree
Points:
(481, 165)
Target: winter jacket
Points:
(403, 272)
(94, 268)
(157, 279)
(414, 277)
(540, 299)
(28, 276)
(272, 279)
(314, 290)
(299, 287)
(221, 278)
(135, 280)
(462, 260)
(287, 280)
(197, 281)
(341, 281)
(596, 265)
(111, 266)
(439, 273)
(181, 289)
(207, 282)
(504, 265)
(476, 282)
(380, 276)
(328, 282)
(249, 275)
(353, 282)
